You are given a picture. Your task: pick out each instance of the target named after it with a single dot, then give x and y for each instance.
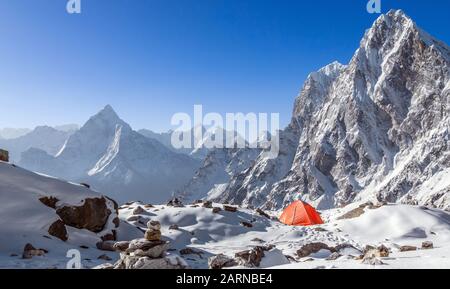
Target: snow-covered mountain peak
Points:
(107, 118)
(331, 70)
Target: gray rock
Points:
(221, 261)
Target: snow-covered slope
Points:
(44, 138)
(110, 156)
(375, 128)
(208, 234)
(24, 219)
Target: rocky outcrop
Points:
(91, 215)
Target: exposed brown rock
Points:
(408, 248)
(4, 156)
(29, 251)
(174, 227)
(207, 204)
(138, 210)
(427, 245)
(230, 208)
(190, 251)
(313, 248)
(384, 251)
(175, 202)
(251, 258)
(49, 201)
(247, 224)
(221, 261)
(121, 246)
(91, 215)
(58, 230)
(262, 213)
(106, 246)
(216, 210)
(116, 222)
(110, 236)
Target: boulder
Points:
(138, 210)
(251, 258)
(207, 204)
(121, 246)
(175, 202)
(58, 230)
(247, 224)
(384, 251)
(49, 201)
(262, 213)
(4, 156)
(190, 251)
(106, 246)
(221, 261)
(110, 236)
(427, 245)
(216, 210)
(230, 208)
(174, 227)
(313, 248)
(92, 215)
(29, 251)
(408, 248)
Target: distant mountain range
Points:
(45, 138)
(110, 156)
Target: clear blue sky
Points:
(152, 58)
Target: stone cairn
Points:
(147, 253)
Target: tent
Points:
(300, 214)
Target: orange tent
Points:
(300, 214)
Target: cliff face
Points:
(375, 128)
